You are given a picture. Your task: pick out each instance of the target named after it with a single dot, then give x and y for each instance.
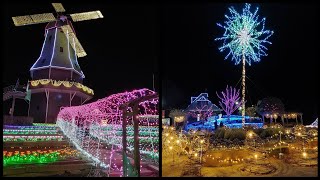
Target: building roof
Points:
(202, 103)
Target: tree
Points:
(204, 109)
(178, 116)
(230, 100)
(270, 105)
(251, 111)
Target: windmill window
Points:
(61, 49)
(43, 60)
(50, 37)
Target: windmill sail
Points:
(76, 46)
(58, 7)
(33, 19)
(86, 16)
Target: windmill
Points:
(56, 74)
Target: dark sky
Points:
(121, 47)
(288, 72)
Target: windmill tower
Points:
(56, 75)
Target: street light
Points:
(172, 155)
(251, 136)
(256, 157)
(201, 142)
(280, 153)
(304, 154)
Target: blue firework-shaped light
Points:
(244, 35)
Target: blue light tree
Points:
(245, 38)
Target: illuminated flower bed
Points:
(27, 132)
(30, 127)
(38, 156)
(44, 124)
(22, 138)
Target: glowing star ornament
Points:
(245, 38)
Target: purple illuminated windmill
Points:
(56, 75)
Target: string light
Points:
(89, 125)
(56, 83)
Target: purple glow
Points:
(108, 109)
(229, 100)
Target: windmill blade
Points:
(58, 7)
(86, 16)
(33, 19)
(74, 44)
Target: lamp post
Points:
(254, 142)
(201, 142)
(172, 155)
(256, 157)
(280, 153)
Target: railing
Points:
(9, 88)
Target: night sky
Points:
(121, 47)
(193, 63)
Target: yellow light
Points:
(178, 141)
(167, 134)
(170, 147)
(304, 154)
(299, 134)
(171, 137)
(195, 154)
(256, 156)
(201, 141)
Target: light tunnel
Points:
(96, 128)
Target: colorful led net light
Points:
(37, 156)
(24, 138)
(89, 125)
(44, 124)
(148, 139)
(30, 127)
(27, 132)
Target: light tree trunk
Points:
(243, 88)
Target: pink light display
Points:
(91, 125)
(107, 109)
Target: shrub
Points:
(268, 132)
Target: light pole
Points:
(254, 142)
(172, 155)
(280, 153)
(256, 157)
(201, 142)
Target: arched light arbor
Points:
(93, 126)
